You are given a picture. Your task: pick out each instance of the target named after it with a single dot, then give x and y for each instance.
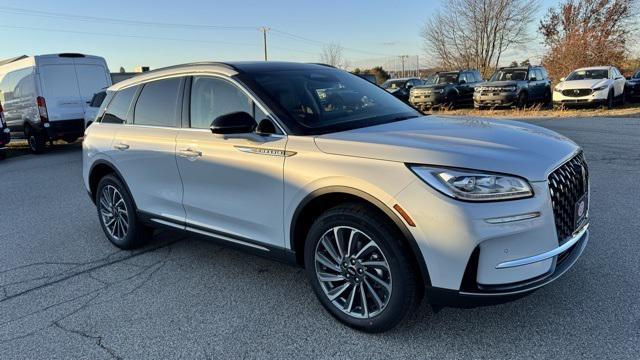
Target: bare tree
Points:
(475, 33)
(332, 55)
(587, 33)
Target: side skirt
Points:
(220, 238)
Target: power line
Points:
(32, 12)
(318, 42)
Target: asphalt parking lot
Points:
(65, 292)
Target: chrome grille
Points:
(567, 184)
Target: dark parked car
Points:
(400, 87)
(632, 87)
(453, 88)
(514, 86)
(5, 134)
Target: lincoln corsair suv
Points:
(318, 167)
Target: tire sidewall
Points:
(386, 239)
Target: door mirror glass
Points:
(233, 123)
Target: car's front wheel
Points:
(117, 215)
(359, 268)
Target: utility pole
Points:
(264, 30)
(403, 58)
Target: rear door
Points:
(60, 89)
(144, 149)
(91, 80)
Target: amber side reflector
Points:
(404, 215)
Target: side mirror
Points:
(266, 127)
(233, 123)
(562, 79)
(462, 82)
(533, 79)
(409, 85)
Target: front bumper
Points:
(470, 255)
(427, 100)
(494, 99)
(632, 91)
(596, 98)
(479, 296)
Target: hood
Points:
(501, 83)
(498, 146)
(582, 84)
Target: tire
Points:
(523, 100)
(70, 139)
(37, 141)
(390, 286)
(125, 232)
(610, 100)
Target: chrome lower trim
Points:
(547, 255)
(225, 238)
(168, 223)
(507, 219)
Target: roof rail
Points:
(222, 64)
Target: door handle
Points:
(190, 154)
(121, 146)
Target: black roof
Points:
(264, 66)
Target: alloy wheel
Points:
(353, 272)
(113, 212)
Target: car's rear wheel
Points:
(36, 140)
(117, 215)
(359, 269)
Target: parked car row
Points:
(517, 86)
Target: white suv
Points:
(600, 85)
(315, 166)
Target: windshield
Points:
(588, 75)
(431, 79)
(393, 84)
(446, 78)
(325, 100)
(637, 75)
(509, 74)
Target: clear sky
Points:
(371, 31)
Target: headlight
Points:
(438, 91)
(509, 89)
(473, 185)
(601, 88)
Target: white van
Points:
(45, 97)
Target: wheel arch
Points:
(323, 199)
(100, 169)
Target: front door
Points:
(233, 184)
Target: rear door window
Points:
(59, 81)
(118, 108)
(158, 103)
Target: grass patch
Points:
(538, 111)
